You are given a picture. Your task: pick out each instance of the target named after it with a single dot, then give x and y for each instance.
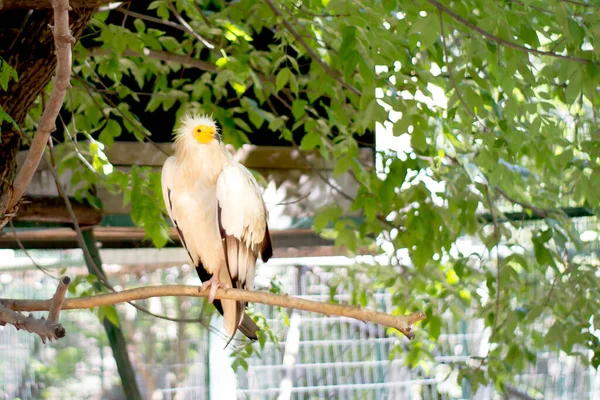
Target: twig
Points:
(310, 51)
(156, 20)
(76, 148)
(188, 28)
(500, 40)
(158, 55)
(579, 3)
(403, 323)
(42, 269)
(46, 329)
(324, 15)
(536, 210)
(63, 40)
(199, 11)
(58, 299)
(285, 203)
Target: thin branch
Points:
(540, 9)
(550, 291)
(324, 15)
(579, 3)
(63, 40)
(403, 323)
(188, 27)
(310, 51)
(288, 202)
(42, 269)
(76, 147)
(500, 40)
(149, 18)
(536, 210)
(158, 55)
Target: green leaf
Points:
(110, 132)
(169, 43)
(310, 141)
(435, 326)
(111, 315)
(6, 74)
(298, 108)
(282, 78)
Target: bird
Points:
(216, 205)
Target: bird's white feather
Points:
(243, 210)
(243, 219)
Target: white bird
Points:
(217, 207)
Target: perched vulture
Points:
(217, 207)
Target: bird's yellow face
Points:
(204, 133)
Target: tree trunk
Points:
(27, 45)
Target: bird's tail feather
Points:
(240, 261)
(249, 328)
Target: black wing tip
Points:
(266, 249)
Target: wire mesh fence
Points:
(316, 357)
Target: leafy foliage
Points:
(495, 102)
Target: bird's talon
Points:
(212, 284)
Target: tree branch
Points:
(310, 51)
(63, 40)
(579, 3)
(47, 329)
(500, 40)
(403, 323)
(536, 210)
(150, 18)
(158, 55)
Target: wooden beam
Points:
(124, 154)
(52, 209)
(286, 243)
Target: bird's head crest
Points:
(201, 128)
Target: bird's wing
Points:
(167, 179)
(242, 219)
